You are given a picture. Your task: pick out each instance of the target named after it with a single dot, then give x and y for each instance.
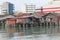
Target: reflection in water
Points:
(35, 37)
(33, 33)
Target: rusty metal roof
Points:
(10, 16)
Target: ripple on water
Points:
(31, 37)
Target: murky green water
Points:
(33, 33)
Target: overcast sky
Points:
(20, 4)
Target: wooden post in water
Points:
(2, 24)
(32, 27)
(12, 29)
(40, 27)
(6, 28)
(44, 30)
(54, 27)
(26, 26)
(23, 28)
(39, 24)
(19, 27)
(58, 23)
(47, 28)
(51, 27)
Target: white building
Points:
(7, 8)
(0, 8)
(0, 11)
(30, 8)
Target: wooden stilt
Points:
(47, 27)
(19, 27)
(23, 29)
(32, 27)
(3, 25)
(51, 27)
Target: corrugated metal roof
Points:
(36, 15)
(10, 16)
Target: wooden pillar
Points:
(54, 26)
(13, 29)
(58, 24)
(3, 25)
(40, 27)
(47, 27)
(27, 31)
(50, 27)
(32, 28)
(44, 28)
(24, 28)
(19, 27)
(6, 28)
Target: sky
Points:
(20, 4)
